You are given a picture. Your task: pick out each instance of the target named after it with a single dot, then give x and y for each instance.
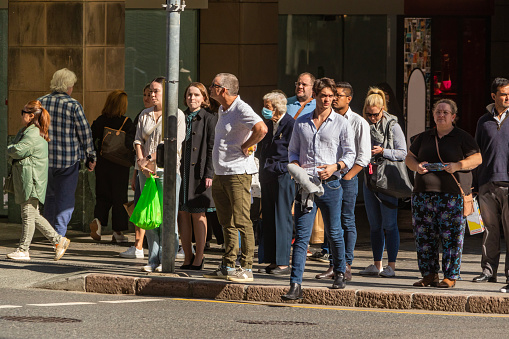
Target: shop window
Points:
(345, 48)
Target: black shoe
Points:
(339, 281)
(294, 293)
(188, 266)
(266, 269)
(280, 271)
(485, 278)
(505, 289)
(197, 267)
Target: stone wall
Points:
(85, 36)
(241, 38)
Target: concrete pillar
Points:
(241, 38)
(85, 36)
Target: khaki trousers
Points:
(232, 198)
(31, 218)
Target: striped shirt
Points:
(70, 134)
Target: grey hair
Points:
(230, 82)
(277, 100)
(62, 80)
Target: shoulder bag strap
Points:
(302, 107)
(456, 180)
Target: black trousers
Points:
(111, 193)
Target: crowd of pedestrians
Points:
(309, 151)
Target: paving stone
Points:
(439, 302)
(171, 287)
(326, 296)
(110, 284)
(217, 290)
(483, 304)
(374, 299)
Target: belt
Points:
(331, 178)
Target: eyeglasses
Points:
(297, 84)
(215, 86)
(341, 95)
(443, 112)
(25, 112)
(374, 114)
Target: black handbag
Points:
(113, 146)
(387, 176)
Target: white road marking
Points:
(62, 304)
(9, 306)
(129, 301)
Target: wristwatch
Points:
(149, 157)
(338, 166)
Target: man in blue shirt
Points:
(322, 144)
(71, 141)
(302, 103)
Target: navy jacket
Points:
(273, 149)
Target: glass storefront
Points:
(349, 48)
(145, 52)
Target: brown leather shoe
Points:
(447, 283)
(429, 280)
(329, 274)
(348, 273)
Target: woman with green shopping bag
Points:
(149, 133)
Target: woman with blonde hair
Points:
(111, 178)
(387, 141)
(28, 156)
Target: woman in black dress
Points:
(197, 172)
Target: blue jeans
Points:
(330, 206)
(382, 218)
(155, 247)
(350, 192)
(59, 203)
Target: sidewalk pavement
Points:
(90, 266)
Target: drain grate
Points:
(41, 319)
(275, 322)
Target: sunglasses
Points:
(374, 114)
(215, 86)
(25, 112)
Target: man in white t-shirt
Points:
(238, 130)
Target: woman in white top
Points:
(149, 134)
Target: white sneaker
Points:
(388, 272)
(95, 229)
(132, 253)
(62, 246)
(147, 268)
(370, 270)
(241, 275)
(159, 268)
(118, 238)
(19, 255)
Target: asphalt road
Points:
(29, 313)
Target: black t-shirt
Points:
(455, 146)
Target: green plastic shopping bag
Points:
(148, 213)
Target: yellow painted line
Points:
(336, 308)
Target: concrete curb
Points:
(223, 290)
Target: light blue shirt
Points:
(293, 105)
(332, 143)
